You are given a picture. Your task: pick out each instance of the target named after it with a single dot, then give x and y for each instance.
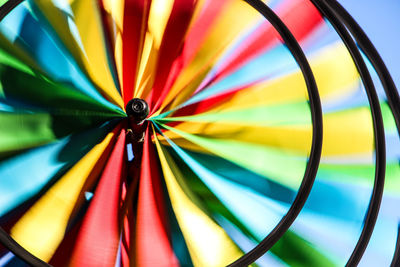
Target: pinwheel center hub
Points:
(137, 109)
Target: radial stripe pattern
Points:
(270, 139)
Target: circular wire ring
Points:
(312, 164)
(379, 132)
(316, 147)
(330, 12)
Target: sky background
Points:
(381, 21)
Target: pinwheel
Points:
(195, 133)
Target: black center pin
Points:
(137, 109)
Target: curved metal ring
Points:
(316, 148)
(379, 132)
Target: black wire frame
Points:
(331, 14)
(312, 164)
(389, 86)
(6, 240)
(316, 147)
(379, 135)
(8, 7)
(338, 17)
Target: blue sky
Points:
(381, 21)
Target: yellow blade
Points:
(207, 242)
(115, 12)
(147, 68)
(345, 133)
(86, 41)
(334, 73)
(160, 11)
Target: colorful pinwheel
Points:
(195, 133)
